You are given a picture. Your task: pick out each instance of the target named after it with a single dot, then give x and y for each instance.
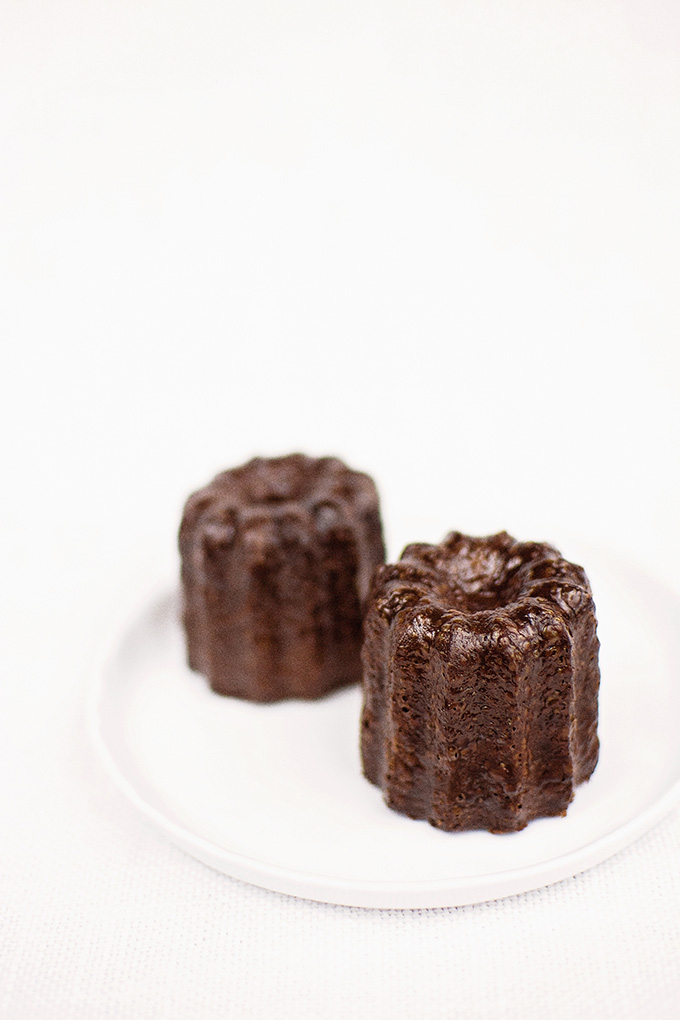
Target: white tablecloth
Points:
(437, 239)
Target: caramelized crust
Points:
(480, 683)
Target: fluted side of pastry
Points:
(276, 561)
(480, 683)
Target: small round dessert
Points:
(481, 682)
(277, 557)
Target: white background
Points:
(439, 239)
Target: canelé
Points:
(277, 556)
(480, 682)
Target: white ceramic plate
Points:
(274, 794)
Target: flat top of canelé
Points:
(294, 480)
(469, 576)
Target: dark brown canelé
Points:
(277, 558)
(480, 682)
